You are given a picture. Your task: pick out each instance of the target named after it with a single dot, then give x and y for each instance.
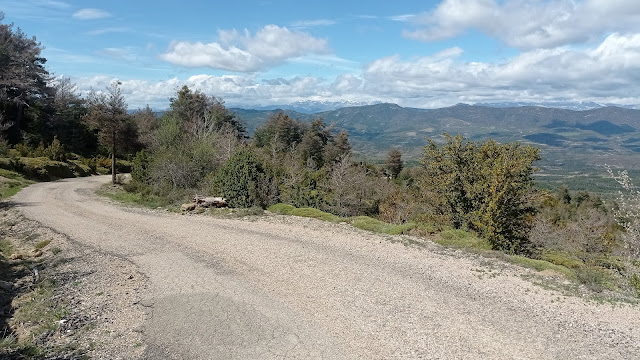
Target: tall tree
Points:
(394, 163)
(147, 122)
(23, 77)
(108, 115)
(203, 115)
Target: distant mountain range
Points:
(567, 105)
(567, 137)
(311, 107)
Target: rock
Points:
(36, 253)
(188, 207)
(16, 257)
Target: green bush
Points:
(484, 187)
(45, 169)
(140, 168)
(239, 180)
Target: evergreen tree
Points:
(394, 163)
(485, 187)
(108, 115)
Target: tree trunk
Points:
(113, 157)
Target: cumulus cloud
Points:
(606, 73)
(526, 24)
(243, 52)
(90, 14)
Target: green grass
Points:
(6, 248)
(11, 183)
(360, 222)
(42, 244)
(562, 258)
(461, 239)
(138, 199)
(285, 209)
(538, 265)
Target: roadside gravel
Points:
(278, 287)
(98, 292)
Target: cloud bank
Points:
(606, 73)
(243, 52)
(527, 24)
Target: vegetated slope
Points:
(568, 138)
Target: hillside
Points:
(569, 139)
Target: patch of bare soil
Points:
(63, 300)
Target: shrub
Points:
(628, 212)
(239, 180)
(43, 168)
(594, 278)
(484, 187)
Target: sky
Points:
(424, 54)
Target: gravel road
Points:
(278, 288)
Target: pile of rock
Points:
(204, 202)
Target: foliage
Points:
(461, 238)
(354, 188)
(375, 225)
(280, 133)
(108, 115)
(627, 212)
(394, 164)
(202, 115)
(10, 183)
(240, 178)
(23, 78)
(484, 187)
(574, 223)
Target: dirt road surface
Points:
(293, 288)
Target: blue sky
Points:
(414, 53)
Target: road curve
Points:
(289, 288)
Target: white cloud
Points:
(528, 24)
(312, 23)
(402, 18)
(270, 46)
(90, 14)
(606, 73)
(108, 31)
